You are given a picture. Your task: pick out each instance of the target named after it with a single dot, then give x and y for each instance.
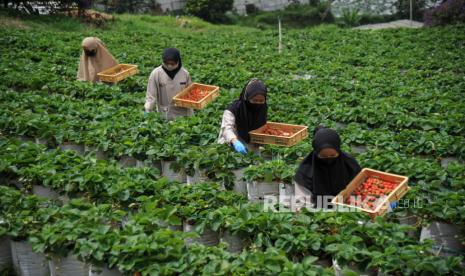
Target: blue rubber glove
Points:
(394, 204)
(239, 147)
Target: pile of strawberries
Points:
(271, 130)
(195, 94)
(369, 193)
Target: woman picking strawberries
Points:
(326, 170)
(94, 59)
(165, 82)
(247, 113)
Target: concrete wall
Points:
(171, 5)
(378, 7)
(366, 6)
(239, 5)
(263, 5)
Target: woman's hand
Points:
(239, 147)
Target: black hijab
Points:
(249, 116)
(174, 55)
(326, 177)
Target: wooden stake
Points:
(411, 13)
(280, 45)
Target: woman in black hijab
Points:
(165, 82)
(247, 113)
(326, 170)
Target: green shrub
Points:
(403, 9)
(350, 17)
(297, 15)
(449, 12)
(210, 10)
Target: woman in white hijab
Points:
(95, 58)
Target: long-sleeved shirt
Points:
(228, 128)
(160, 92)
(228, 132)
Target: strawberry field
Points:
(395, 97)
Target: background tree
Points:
(210, 10)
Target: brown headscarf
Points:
(89, 67)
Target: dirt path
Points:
(391, 25)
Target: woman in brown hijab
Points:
(95, 58)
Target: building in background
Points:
(239, 5)
(379, 7)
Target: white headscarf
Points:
(89, 67)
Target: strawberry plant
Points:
(397, 93)
(217, 161)
(22, 216)
(77, 220)
(275, 170)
